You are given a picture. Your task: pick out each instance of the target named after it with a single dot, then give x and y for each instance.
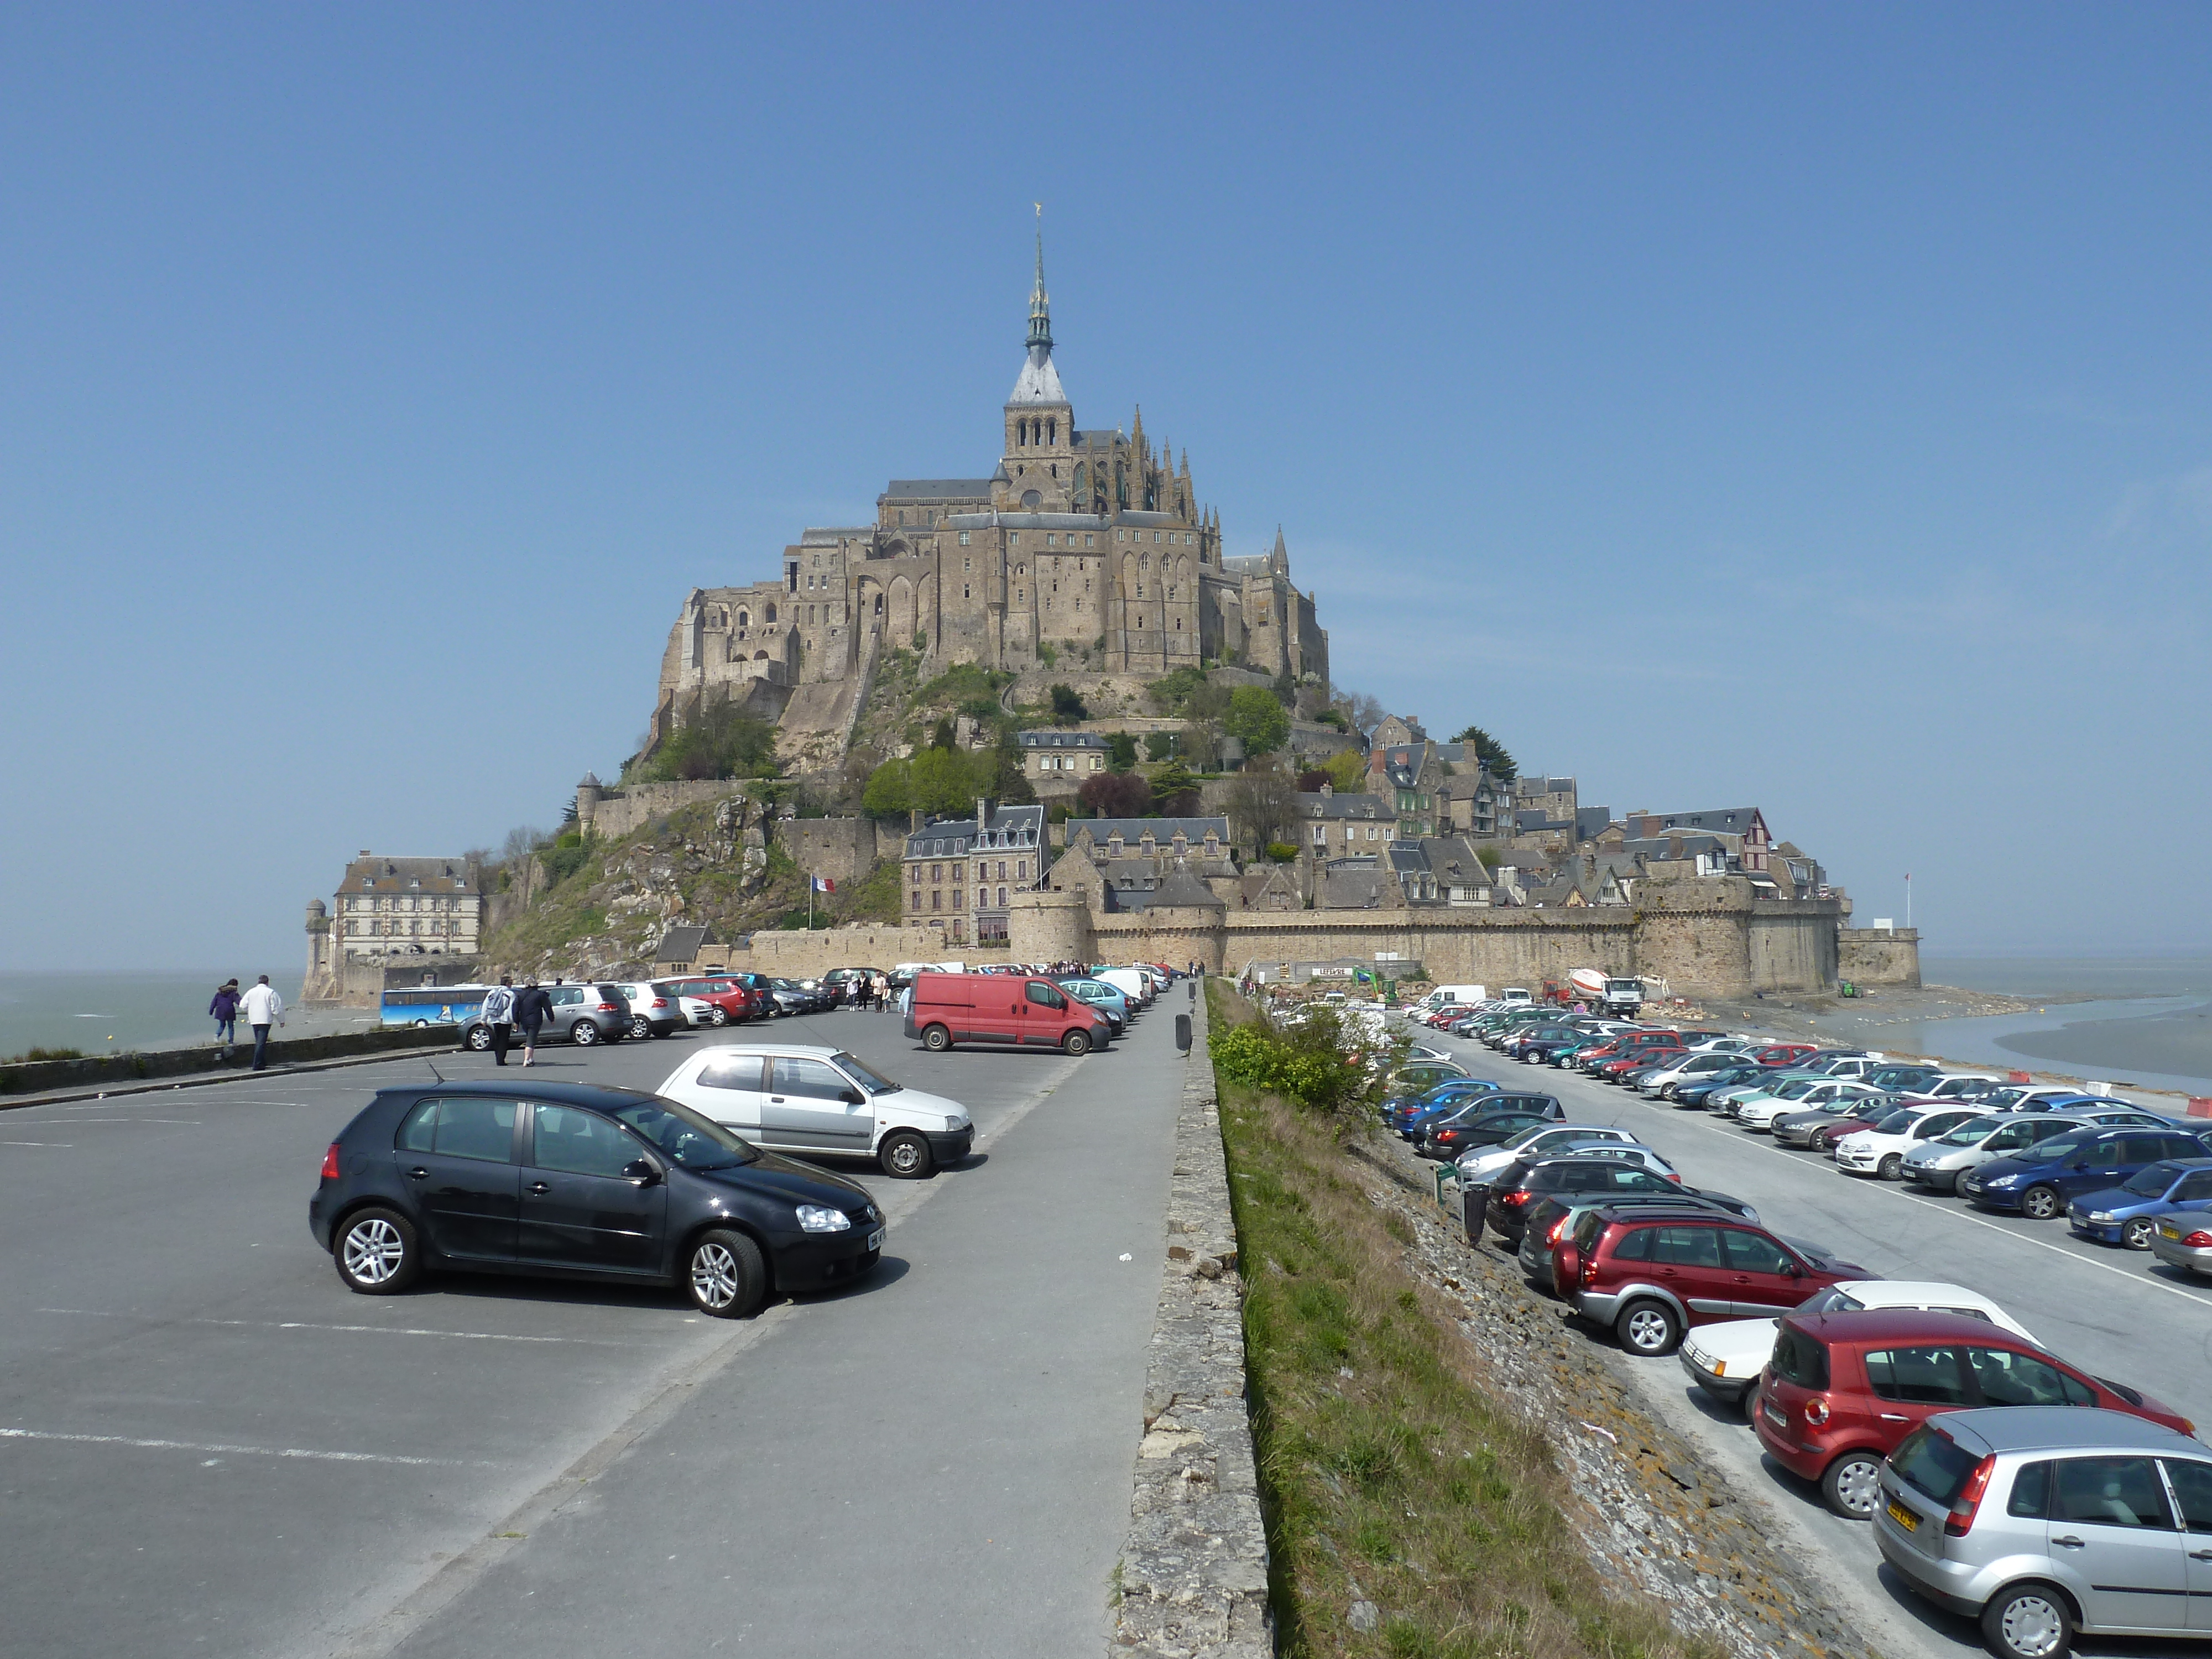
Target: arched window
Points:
(1082, 478)
(879, 604)
(771, 613)
(1021, 571)
(1144, 562)
(1052, 432)
(743, 621)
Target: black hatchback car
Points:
(581, 1180)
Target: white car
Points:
(1661, 1084)
(1791, 1092)
(814, 1100)
(1957, 1085)
(1726, 1359)
(1760, 1115)
(1880, 1152)
(1937, 1164)
(1537, 1140)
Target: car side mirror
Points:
(1791, 1270)
(852, 1097)
(642, 1172)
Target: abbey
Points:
(1085, 547)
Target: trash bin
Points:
(1471, 1202)
(1182, 1032)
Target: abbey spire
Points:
(1039, 381)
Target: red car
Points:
(1652, 1277)
(1781, 1053)
(1635, 1059)
(730, 1003)
(1843, 1389)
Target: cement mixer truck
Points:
(1606, 993)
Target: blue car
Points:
(1410, 1118)
(1105, 998)
(2040, 1180)
(2124, 1214)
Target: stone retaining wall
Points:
(32, 1077)
(1192, 1581)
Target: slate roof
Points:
(1039, 381)
(1186, 891)
(371, 874)
(1314, 804)
(1055, 739)
(1163, 830)
(682, 944)
(1591, 822)
(937, 490)
(952, 837)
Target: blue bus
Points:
(433, 1004)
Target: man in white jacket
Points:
(264, 1008)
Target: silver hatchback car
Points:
(2041, 1520)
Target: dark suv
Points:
(578, 1180)
(1652, 1277)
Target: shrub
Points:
(1309, 1062)
(1067, 706)
(1281, 851)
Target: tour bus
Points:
(433, 1004)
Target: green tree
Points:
(889, 793)
(1347, 772)
(947, 781)
(1175, 792)
(1255, 716)
(1010, 784)
(1067, 706)
(1120, 751)
(1491, 753)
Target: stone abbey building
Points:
(1085, 546)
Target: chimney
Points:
(1327, 789)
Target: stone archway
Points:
(903, 619)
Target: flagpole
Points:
(809, 901)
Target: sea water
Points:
(2145, 1020)
(106, 1013)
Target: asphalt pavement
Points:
(2114, 1313)
(208, 1444)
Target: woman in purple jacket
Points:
(225, 1010)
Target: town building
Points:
(1055, 760)
(961, 874)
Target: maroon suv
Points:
(1650, 1276)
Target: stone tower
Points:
(1039, 468)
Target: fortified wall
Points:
(1880, 956)
(1708, 937)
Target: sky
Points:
(1804, 407)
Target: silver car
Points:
(2184, 1239)
(2041, 1520)
(1937, 1164)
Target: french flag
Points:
(823, 885)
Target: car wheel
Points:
(2039, 1203)
(724, 1274)
(1852, 1485)
(718, 1015)
(1891, 1167)
(479, 1037)
(422, 1024)
(1648, 1329)
(2137, 1234)
(376, 1253)
(583, 1033)
(1077, 1042)
(905, 1156)
(1750, 1403)
(2029, 1621)
(937, 1039)
(640, 1026)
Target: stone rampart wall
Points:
(808, 955)
(616, 816)
(1878, 955)
(842, 849)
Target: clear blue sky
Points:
(1810, 407)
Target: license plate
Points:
(1778, 1418)
(876, 1239)
(1904, 1517)
(2165, 1231)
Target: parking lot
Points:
(2115, 1313)
(208, 1444)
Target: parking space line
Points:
(366, 1330)
(58, 1145)
(221, 1450)
(71, 1122)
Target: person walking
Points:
(225, 1010)
(533, 1005)
(264, 1008)
(499, 1014)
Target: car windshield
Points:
(2050, 1152)
(1970, 1134)
(1896, 1123)
(2151, 1182)
(695, 1141)
(859, 1072)
(1521, 1138)
(1799, 1089)
(1831, 1300)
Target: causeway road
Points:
(208, 1445)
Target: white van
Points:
(1467, 994)
(1515, 995)
(811, 1099)
(1130, 982)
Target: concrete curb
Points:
(202, 1080)
(1192, 1580)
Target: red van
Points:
(1020, 1009)
(1843, 1389)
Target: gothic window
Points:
(744, 620)
(879, 604)
(1082, 478)
(771, 613)
(1144, 562)
(1052, 432)
(1021, 571)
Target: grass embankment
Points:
(1386, 1473)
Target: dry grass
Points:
(1386, 1473)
